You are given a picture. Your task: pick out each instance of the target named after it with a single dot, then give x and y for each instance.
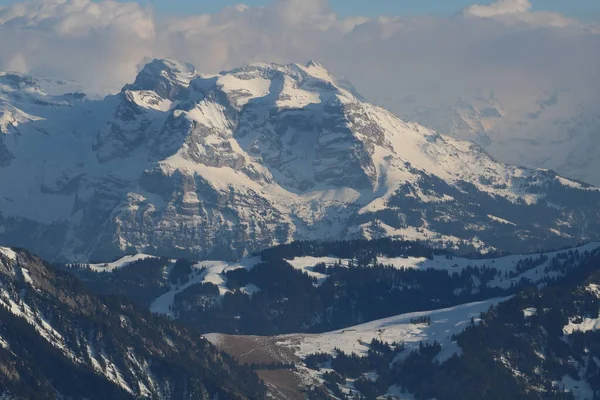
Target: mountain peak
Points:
(317, 70)
(314, 64)
(166, 77)
(181, 70)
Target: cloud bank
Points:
(501, 7)
(391, 58)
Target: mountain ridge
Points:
(58, 340)
(183, 163)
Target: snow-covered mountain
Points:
(182, 163)
(550, 128)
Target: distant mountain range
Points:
(218, 166)
(550, 129)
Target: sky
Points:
(584, 9)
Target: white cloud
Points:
(500, 7)
(519, 11)
(95, 42)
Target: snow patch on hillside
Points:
(120, 263)
(505, 265)
(204, 272)
(250, 289)
(307, 265)
(27, 277)
(594, 289)
(529, 312)
(581, 325)
(243, 90)
(214, 272)
(4, 344)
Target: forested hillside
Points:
(58, 340)
(320, 286)
(541, 344)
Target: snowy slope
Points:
(398, 329)
(356, 339)
(183, 163)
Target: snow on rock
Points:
(149, 99)
(21, 309)
(243, 90)
(4, 344)
(594, 289)
(27, 276)
(113, 374)
(502, 221)
(9, 253)
(581, 325)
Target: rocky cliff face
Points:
(185, 164)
